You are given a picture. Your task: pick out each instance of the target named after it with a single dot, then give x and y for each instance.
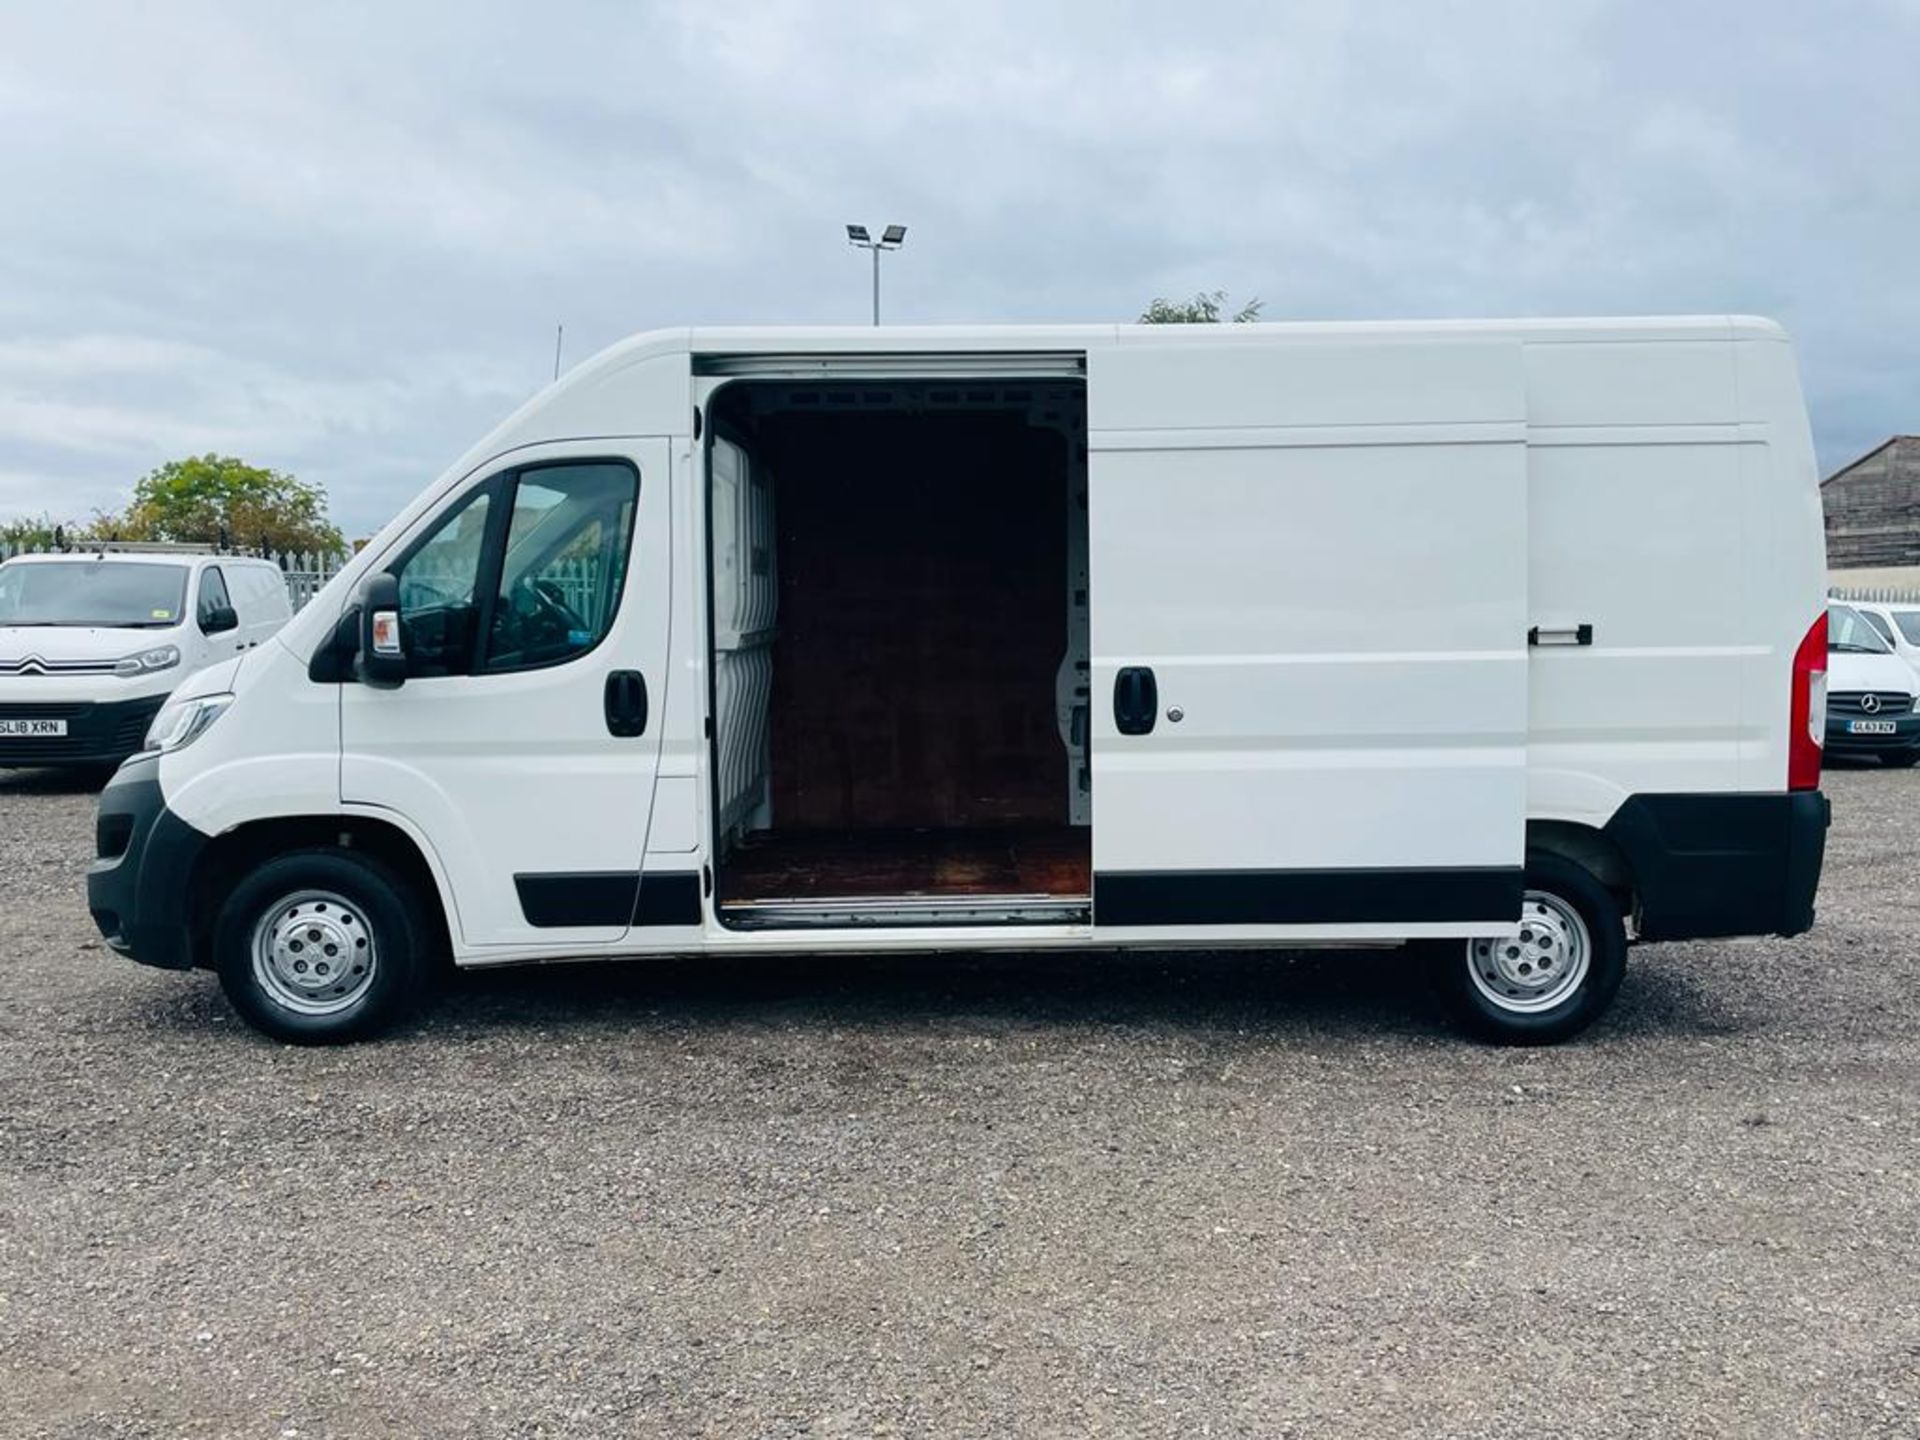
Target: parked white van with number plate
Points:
(92, 642)
(1873, 695)
(1506, 638)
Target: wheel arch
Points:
(232, 853)
(1592, 850)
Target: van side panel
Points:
(1642, 536)
(1320, 552)
(1674, 508)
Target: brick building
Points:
(1873, 508)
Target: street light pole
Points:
(891, 238)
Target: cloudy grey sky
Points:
(336, 238)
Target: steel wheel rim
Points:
(1542, 965)
(313, 953)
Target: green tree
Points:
(214, 498)
(1203, 309)
(29, 533)
(46, 531)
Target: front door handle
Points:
(1136, 700)
(626, 703)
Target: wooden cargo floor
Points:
(1053, 860)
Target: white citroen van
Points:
(92, 642)
(1503, 636)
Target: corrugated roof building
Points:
(1873, 508)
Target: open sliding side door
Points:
(1309, 613)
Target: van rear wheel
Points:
(321, 947)
(1551, 980)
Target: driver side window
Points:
(563, 565)
(486, 593)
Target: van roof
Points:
(713, 340)
(136, 557)
(726, 339)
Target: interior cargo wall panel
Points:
(745, 596)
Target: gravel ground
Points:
(1226, 1195)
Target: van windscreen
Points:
(117, 593)
(1849, 632)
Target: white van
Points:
(1873, 695)
(92, 642)
(1507, 636)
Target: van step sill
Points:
(847, 912)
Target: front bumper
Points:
(139, 885)
(99, 732)
(1723, 864)
(1904, 739)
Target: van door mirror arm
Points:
(382, 658)
(333, 660)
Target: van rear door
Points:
(1309, 630)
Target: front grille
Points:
(92, 730)
(1854, 702)
(68, 710)
(131, 732)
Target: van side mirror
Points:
(219, 619)
(382, 660)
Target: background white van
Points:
(1873, 694)
(92, 642)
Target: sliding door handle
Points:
(1136, 700)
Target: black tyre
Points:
(321, 947)
(1555, 978)
(1902, 761)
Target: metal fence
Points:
(1876, 594)
(304, 572)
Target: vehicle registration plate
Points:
(1870, 727)
(33, 728)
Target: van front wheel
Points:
(320, 947)
(1551, 980)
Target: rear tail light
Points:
(1807, 719)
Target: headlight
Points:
(181, 722)
(161, 657)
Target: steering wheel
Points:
(555, 599)
(535, 623)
